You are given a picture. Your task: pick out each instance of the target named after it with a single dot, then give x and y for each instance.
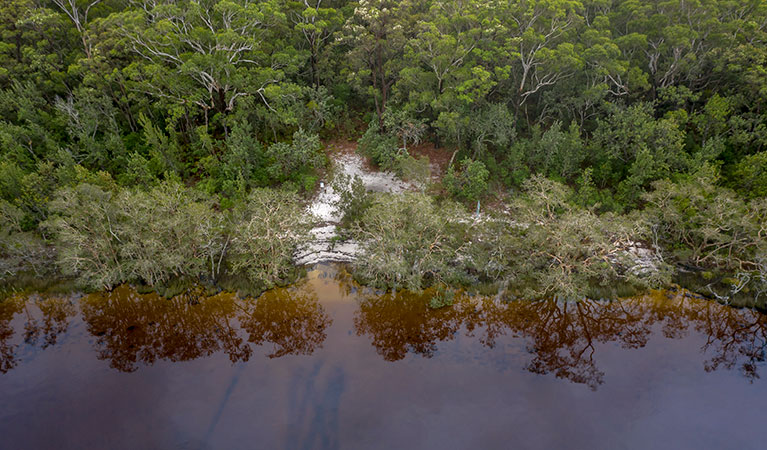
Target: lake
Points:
(328, 364)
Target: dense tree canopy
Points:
(607, 97)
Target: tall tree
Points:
(207, 54)
(316, 25)
(531, 35)
(78, 11)
(376, 36)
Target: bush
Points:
(442, 297)
(84, 224)
(552, 248)
(241, 167)
(490, 127)
(408, 241)
(268, 229)
(137, 172)
(21, 250)
(706, 225)
(630, 149)
(588, 195)
(168, 233)
(289, 161)
(163, 233)
(107, 238)
(402, 124)
(469, 182)
(382, 149)
(750, 176)
(354, 199)
(558, 154)
(415, 170)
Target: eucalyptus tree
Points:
(439, 63)
(604, 74)
(316, 24)
(670, 39)
(36, 45)
(530, 41)
(376, 36)
(439, 53)
(741, 75)
(14, 38)
(209, 54)
(78, 11)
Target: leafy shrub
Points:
(288, 161)
(442, 297)
(137, 172)
(20, 250)
(241, 167)
(630, 149)
(408, 241)
(402, 124)
(555, 153)
(588, 195)
(354, 199)
(92, 128)
(750, 176)
(269, 227)
(491, 127)
(155, 236)
(415, 170)
(84, 224)
(162, 233)
(164, 151)
(509, 168)
(552, 248)
(469, 182)
(106, 238)
(10, 180)
(381, 148)
(700, 223)
(558, 154)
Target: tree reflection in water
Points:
(133, 329)
(290, 318)
(45, 318)
(562, 338)
(735, 339)
(8, 308)
(401, 322)
(563, 335)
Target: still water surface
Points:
(325, 364)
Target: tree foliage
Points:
(113, 108)
(108, 237)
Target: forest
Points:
(152, 141)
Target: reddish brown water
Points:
(326, 365)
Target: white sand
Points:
(325, 246)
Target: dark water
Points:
(327, 365)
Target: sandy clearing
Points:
(325, 245)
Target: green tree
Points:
(375, 36)
(316, 25)
(207, 55)
(271, 226)
(408, 241)
(469, 182)
(706, 225)
(531, 39)
(632, 148)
